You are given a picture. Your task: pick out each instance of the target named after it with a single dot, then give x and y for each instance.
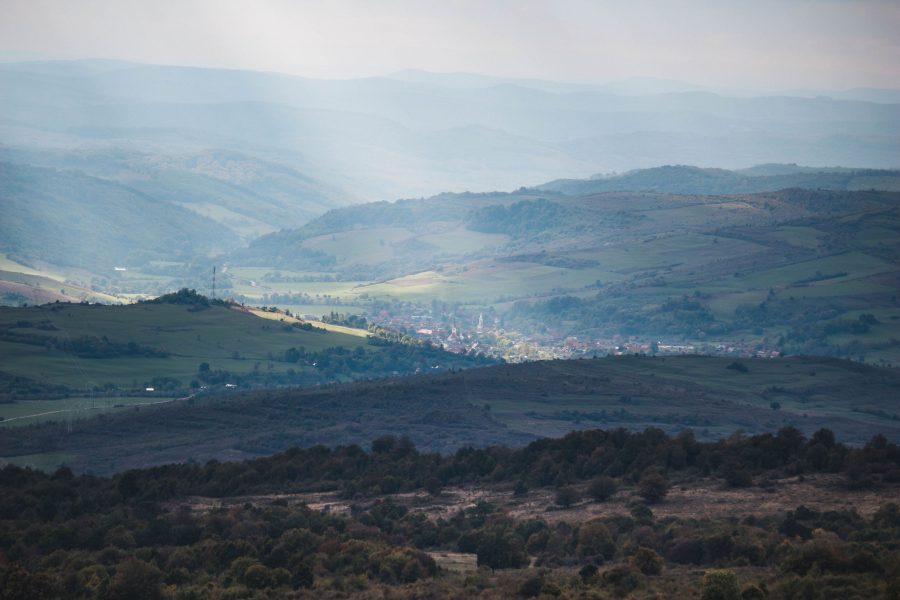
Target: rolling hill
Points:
(799, 271)
(682, 179)
(74, 220)
(209, 160)
(498, 405)
(183, 343)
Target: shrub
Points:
(647, 561)
(720, 585)
(752, 592)
(587, 572)
(602, 488)
(653, 486)
(622, 579)
(135, 580)
(566, 496)
(501, 549)
(258, 576)
(642, 513)
(531, 587)
(594, 539)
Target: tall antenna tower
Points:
(214, 283)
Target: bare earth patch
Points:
(703, 499)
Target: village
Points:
(465, 335)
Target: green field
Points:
(225, 338)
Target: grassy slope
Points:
(686, 179)
(69, 218)
(214, 335)
(834, 250)
(507, 404)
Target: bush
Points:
(736, 475)
(642, 513)
(566, 496)
(501, 549)
(720, 585)
(647, 561)
(531, 587)
(587, 572)
(622, 579)
(135, 580)
(752, 592)
(653, 486)
(602, 488)
(594, 539)
(257, 576)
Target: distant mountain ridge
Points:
(682, 179)
(222, 157)
(418, 133)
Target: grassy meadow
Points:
(225, 338)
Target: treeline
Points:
(390, 354)
(525, 217)
(83, 346)
(395, 465)
(806, 329)
(684, 316)
(346, 320)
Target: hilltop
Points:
(182, 343)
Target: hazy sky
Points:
(824, 44)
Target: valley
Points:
(424, 301)
(565, 276)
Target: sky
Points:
(750, 44)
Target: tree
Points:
(647, 561)
(720, 585)
(653, 486)
(566, 496)
(14, 583)
(499, 548)
(594, 539)
(135, 580)
(602, 488)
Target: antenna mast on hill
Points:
(214, 283)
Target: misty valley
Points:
(427, 335)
